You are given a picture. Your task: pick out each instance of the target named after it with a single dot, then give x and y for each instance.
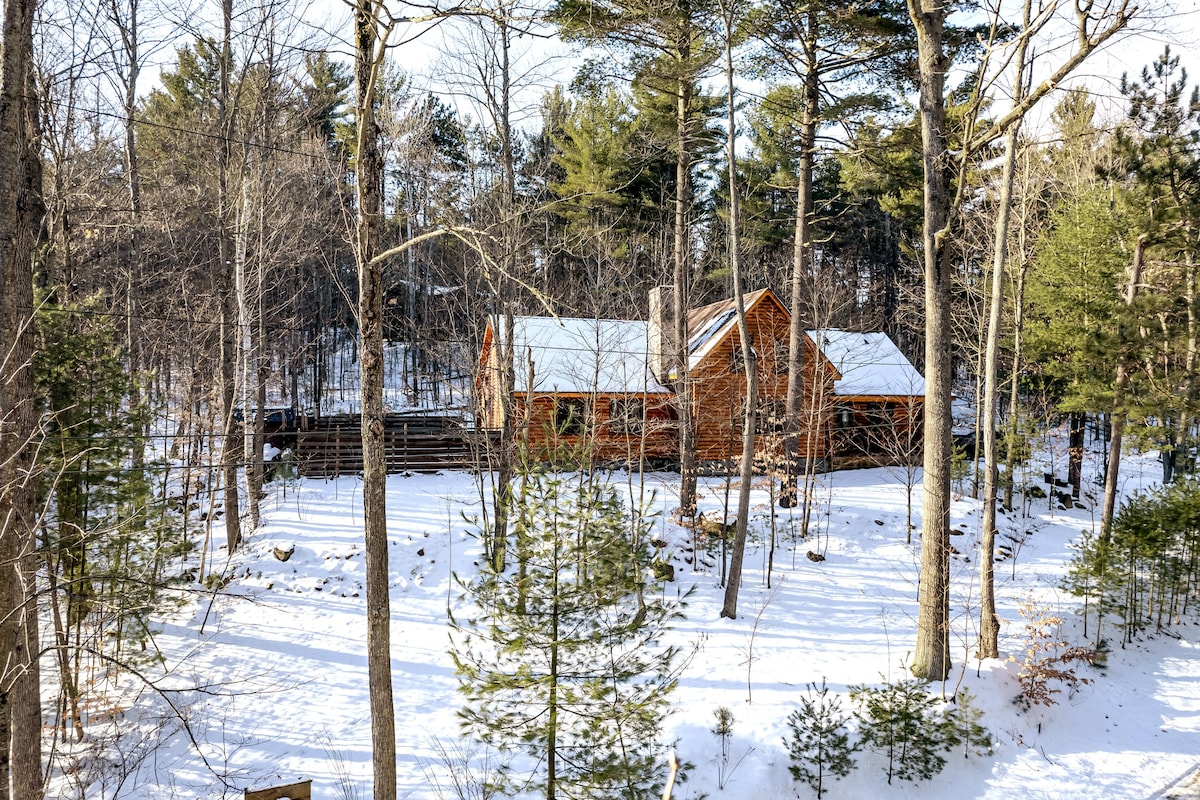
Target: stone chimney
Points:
(663, 350)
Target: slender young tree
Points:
(989, 624)
(731, 13)
(819, 44)
(371, 31)
(490, 67)
(1094, 26)
(1120, 407)
(561, 660)
(230, 440)
(124, 17)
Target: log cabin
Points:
(877, 402)
(607, 387)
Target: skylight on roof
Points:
(710, 330)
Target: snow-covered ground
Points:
(270, 673)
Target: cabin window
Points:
(570, 416)
(627, 415)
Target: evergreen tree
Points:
(901, 720)
(111, 548)
(599, 165)
(1146, 573)
(325, 100)
(1074, 305)
(560, 660)
(1161, 147)
(820, 743)
(965, 728)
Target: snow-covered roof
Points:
(572, 355)
(870, 365)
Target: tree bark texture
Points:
(931, 658)
(21, 217)
(369, 181)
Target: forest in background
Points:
(190, 199)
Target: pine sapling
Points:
(899, 719)
(723, 729)
(965, 727)
(820, 742)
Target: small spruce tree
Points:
(561, 659)
(820, 742)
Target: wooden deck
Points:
(332, 446)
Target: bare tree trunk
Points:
(247, 358)
(989, 625)
(1076, 421)
(750, 417)
(230, 444)
(932, 657)
(1188, 389)
(369, 55)
(127, 27)
(261, 355)
(21, 215)
(507, 468)
(801, 261)
(1014, 397)
(1119, 412)
(687, 423)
